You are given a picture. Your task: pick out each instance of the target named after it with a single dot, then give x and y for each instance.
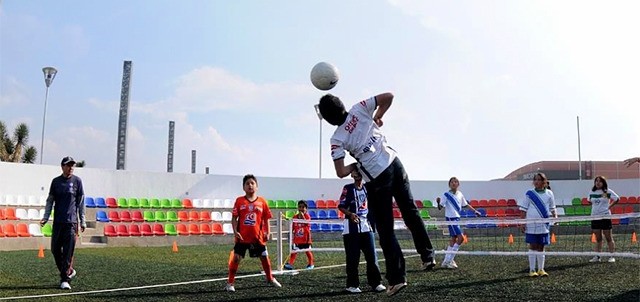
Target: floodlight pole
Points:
(49, 75)
(319, 141)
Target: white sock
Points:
(455, 248)
(540, 262)
(448, 257)
(532, 262)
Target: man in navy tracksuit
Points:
(66, 197)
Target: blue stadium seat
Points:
(89, 202)
(333, 214)
(322, 214)
(325, 227)
(311, 203)
(337, 227)
(101, 216)
(100, 202)
(313, 214)
(315, 227)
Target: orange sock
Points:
(310, 257)
(266, 265)
(233, 269)
(292, 258)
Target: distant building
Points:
(568, 170)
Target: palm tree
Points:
(81, 164)
(15, 149)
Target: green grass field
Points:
(479, 278)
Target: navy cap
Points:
(67, 160)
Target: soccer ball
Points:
(324, 76)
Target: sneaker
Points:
(229, 287)
(394, 289)
(275, 283)
(288, 266)
(533, 274)
(380, 288)
(451, 265)
(65, 285)
(73, 274)
(454, 263)
(310, 266)
(429, 265)
(443, 264)
(611, 260)
(542, 273)
(354, 290)
(595, 259)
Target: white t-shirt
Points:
(450, 209)
(548, 204)
(361, 137)
(599, 203)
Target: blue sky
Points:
(481, 88)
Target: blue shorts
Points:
(542, 239)
(454, 230)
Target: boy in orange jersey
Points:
(301, 236)
(250, 221)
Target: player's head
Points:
(600, 183)
(355, 174)
(302, 206)
(249, 184)
(332, 110)
(540, 181)
(67, 165)
(454, 183)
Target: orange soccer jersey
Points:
(302, 231)
(251, 219)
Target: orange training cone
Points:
(465, 240)
(175, 247)
(593, 238)
(553, 238)
(41, 252)
(510, 238)
(633, 237)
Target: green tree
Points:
(15, 149)
(81, 164)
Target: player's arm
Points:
(236, 227)
(383, 101)
(266, 228)
(341, 169)
(613, 196)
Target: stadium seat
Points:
(492, 203)
(559, 211)
(186, 203)
(207, 203)
(315, 227)
(585, 202)
(171, 230)
(145, 203)
(194, 216)
(134, 230)
(325, 227)
(576, 201)
(89, 202)
(125, 216)
(483, 203)
(322, 214)
(149, 216)
(205, 216)
(22, 214)
(218, 229)
(42, 201)
(33, 214)
(628, 209)
(172, 216)
(111, 202)
(183, 216)
(337, 227)
(292, 204)
(145, 230)
(226, 216)
(311, 204)
(194, 229)
(134, 204)
(511, 212)
(114, 216)
(136, 216)
(2, 216)
(427, 203)
(633, 199)
(218, 203)
(165, 203)
(502, 202)
(216, 216)
(321, 204)
(332, 204)
(1, 230)
(197, 203)
(101, 216)
(313, 214)
(158, 230)
(483, 213)
(10, 214)
(35, 230)
(396, 213)
(271, 203)
(10, 200)
(110, 230)
(281, 204)
(419, 203)
(10, 230)
(205, 229)
(160, 216)
(122, 230)
(227, 228)
(154, 203)
(512, 202)
(501, 213)
(100, 202)
(228, 203)
(569, 211)
(490, 213)
(47, 230)
(122, 203)
(424, 213)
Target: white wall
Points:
(29, 179)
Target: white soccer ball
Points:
(324, 76)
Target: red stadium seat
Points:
(332, 204)
(205, 216)
(2, 217)
(110, 230)
(628, 209)
(122, 230)
(145, 229)
(182, 229)
(136, 216)
(419, 204)
(321, 204)
(511, 212)
(134, 230)
(125, 216)
(194, 229)
(396, 213)
(623, 199)
(183, 216)
(217, 229)
(502, 202)
(205, 229)
(584, 201)
(187, 204)
(114, 216)
(10, 214)
(23, 230)
(158, 230)
(512, 202)
(1, 231)
(474, 203)
(630, 199)
(483, 203)
(501, 213)
(491, 212)
(492, 203)
(194, 216)
(111, 202)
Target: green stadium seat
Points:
(122, 203)
(165, 203)
(172, 216)
(47, 230)
(160, 216)
(424, 213)
(176, 203)
(427, 203)
(292, 204)
(170, 229)
(576, 201)
(570, 211)
(271, 203)
(133, 203)
(149, 216)
(144, 203)
(289, 214)
(154, 203)
(281, 204)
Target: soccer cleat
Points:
(542, 273)
(451, 265)
(310, 266)
(394, 289)
(288, 266)
(354, 290)
(429, 265)
(454, 264)
(611, 260)
(533, 274)
(229, 287)
(65, 285)
(275, 283)
(73, 274)
(380, 288)
(595, 259)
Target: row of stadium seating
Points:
(24, 230)
(157, 229)
(623, 200)
(21, 214)
(161, 216)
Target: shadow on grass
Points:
(633, 295)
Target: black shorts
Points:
(301, 246)
(602, 224)
(255, 249)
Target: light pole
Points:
(49, 75)
(319, 142)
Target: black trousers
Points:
(353, 244)
(394, 183)
(63, 243)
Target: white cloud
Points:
(13, 93)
